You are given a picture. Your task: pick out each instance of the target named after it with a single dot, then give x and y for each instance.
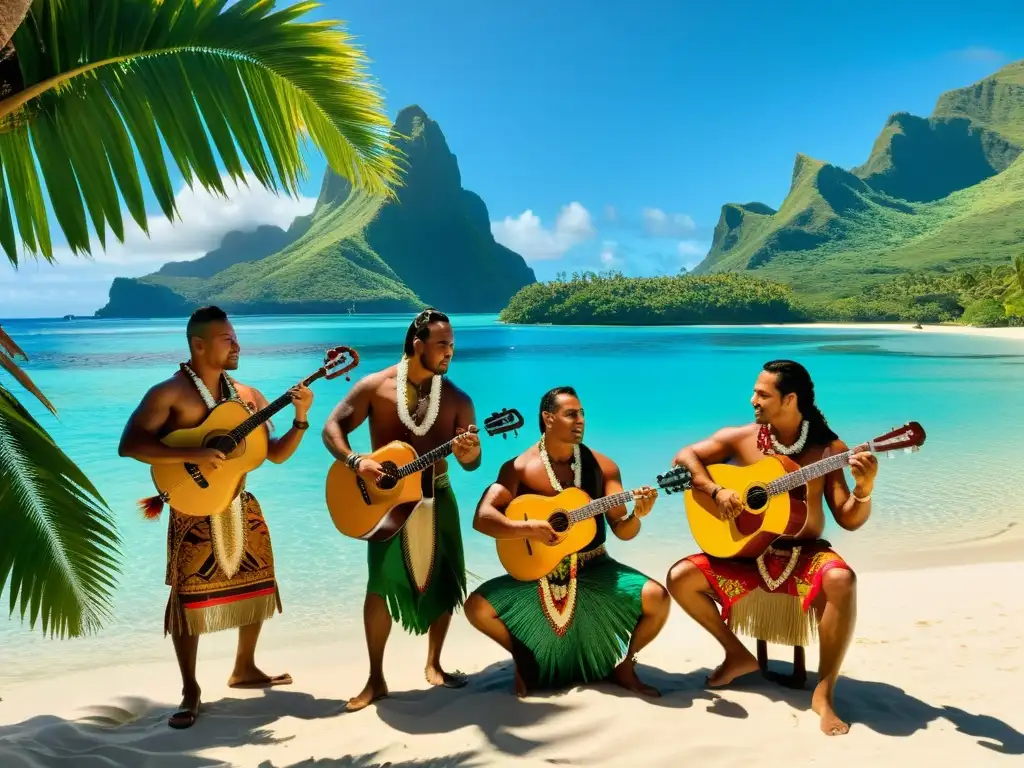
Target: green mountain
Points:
(433, 245)
(937, 193)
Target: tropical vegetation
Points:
(88, 88)
(611, 299)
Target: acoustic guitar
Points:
(571, 514)
(232, 430)
(770, 509)
(377, 511)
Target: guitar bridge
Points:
(362, 490)
(197, 476)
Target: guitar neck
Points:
(427, 459)
(599, 506)
(265, 414)
(813, 471)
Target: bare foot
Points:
(374, 690)
(254, 678)
(186, 716)
(831, 725)
(625, 675)
(519, 684)
(437, 676)
(733, 667)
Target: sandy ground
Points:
(1016, 334)
(935, 673)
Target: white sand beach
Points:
(1014, 334)
(935, 673)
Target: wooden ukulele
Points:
(571, 514)
(377, 511)
(232, 430)
(770, 510)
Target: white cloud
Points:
(609, 253)
(691, 248)
(657, 223)
(981, 54)
(527, 236)
(79, 285)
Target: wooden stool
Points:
(799, 676)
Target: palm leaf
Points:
(102, 80)
(60, 547)
(8, 351)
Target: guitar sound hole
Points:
(390, 478)
(559, 521)
(757, 498)
(222, 443)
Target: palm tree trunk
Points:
(12, 13)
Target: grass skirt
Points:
(416, 608)
(574, 625)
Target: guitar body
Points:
(527, 560)
(201, 494)
(362, 510)
(761, 522)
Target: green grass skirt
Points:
(608, 605)
(446, 591)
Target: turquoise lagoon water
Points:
(647, 391)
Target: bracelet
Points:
(857, 498)
(300, 424)
(629, 516)
(714, 493)
(352, 461)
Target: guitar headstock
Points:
(676, 480)
(504, 421)
(338, 361)
(910, 437)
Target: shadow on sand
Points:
(891, 711)
(372, 760)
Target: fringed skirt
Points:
(773, 606)
(421, 572)
(220, 570)
(574, 625)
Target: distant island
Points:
(433, 245)
(928, 229)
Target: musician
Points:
(803, 572)
(221, 568)
(587, 620)
(416, 403)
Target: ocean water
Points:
(647, 392)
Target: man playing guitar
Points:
(769, 598)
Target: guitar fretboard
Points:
(810, 472)
(240, 432)
(599, 506)
(430, 457)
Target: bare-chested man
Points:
(214, 586)
(804, 570)
(587, 620)
(413, 402)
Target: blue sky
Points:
(608, 133)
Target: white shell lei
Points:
(577, 467)
(789, 450)
(403, 401)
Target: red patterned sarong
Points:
(774, 612)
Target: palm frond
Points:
(104, 79)
(8, 351)
(60, 547)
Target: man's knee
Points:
(477, 609)
(654, 598)
(685, 577)
(839, 584)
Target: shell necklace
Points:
(577, 467)
(790, 450)
(403, 399)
